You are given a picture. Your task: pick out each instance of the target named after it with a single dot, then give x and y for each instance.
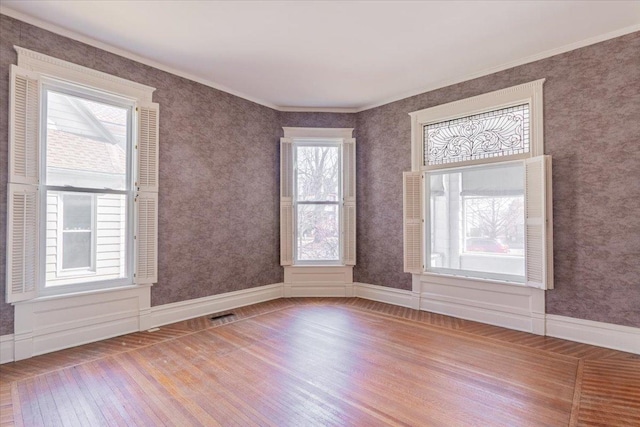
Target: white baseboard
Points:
(6, 348)
(385, 294)
(178, 311)
(510, 306)
(52, 323)
(48, 327)
(617, 337)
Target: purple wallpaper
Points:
(592, 130)
(219, 175)
(219, 172)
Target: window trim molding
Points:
(530, 93)
(77, 74)
(318, 133)
(343, 138)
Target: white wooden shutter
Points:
(286, 201)
(412, 222)
(24, 123)
(22, 242)
(23, 199)
(349, 196)
(286, 234)
(146, 200)
(539, 225)
(146, 238)
(147, 147)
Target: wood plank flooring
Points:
(325, 362)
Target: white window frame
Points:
(49, 72)
(56, 85)
(310, 142)
(340, 137)
(415, 182)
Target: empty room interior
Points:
(320, 213)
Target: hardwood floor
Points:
(299, 362)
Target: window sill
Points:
(472, 280)
(89, 292)
(318, 265)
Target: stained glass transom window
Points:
(497, 133)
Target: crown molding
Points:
(126, 54)
(318, 110)
(507, 65)
(440, 84)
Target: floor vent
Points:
(222, 316)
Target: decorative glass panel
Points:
(318, 233)
(497, 133)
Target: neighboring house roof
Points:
(85, 136)
(68, 151)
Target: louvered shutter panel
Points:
(349, 233)
(286, 201)
(147, 147)
(146, 200)
(24, 123)
(539, 227)
(146, 238)
(286, 234)
(412, 224)
(349, 195)
(22, 242)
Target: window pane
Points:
(502, 132)
(318, 173)
(86, 142)
(318, 233)
(76, 250)
(477, 221)
(77, 212)
(85, 241)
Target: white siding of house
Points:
(110, 244)
(52, 240)
(110, 240)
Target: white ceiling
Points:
(348, 55)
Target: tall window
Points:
(87, 188)
(317, 201)
(477, 203)
(83, 180)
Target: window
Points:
(76, 245)
(83, 180)
(87, 188)
(317, 197)
(477, 202)
(477, 221)
(317, 201)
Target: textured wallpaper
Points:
(218, 201)
(592, 130)
(219, 228)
